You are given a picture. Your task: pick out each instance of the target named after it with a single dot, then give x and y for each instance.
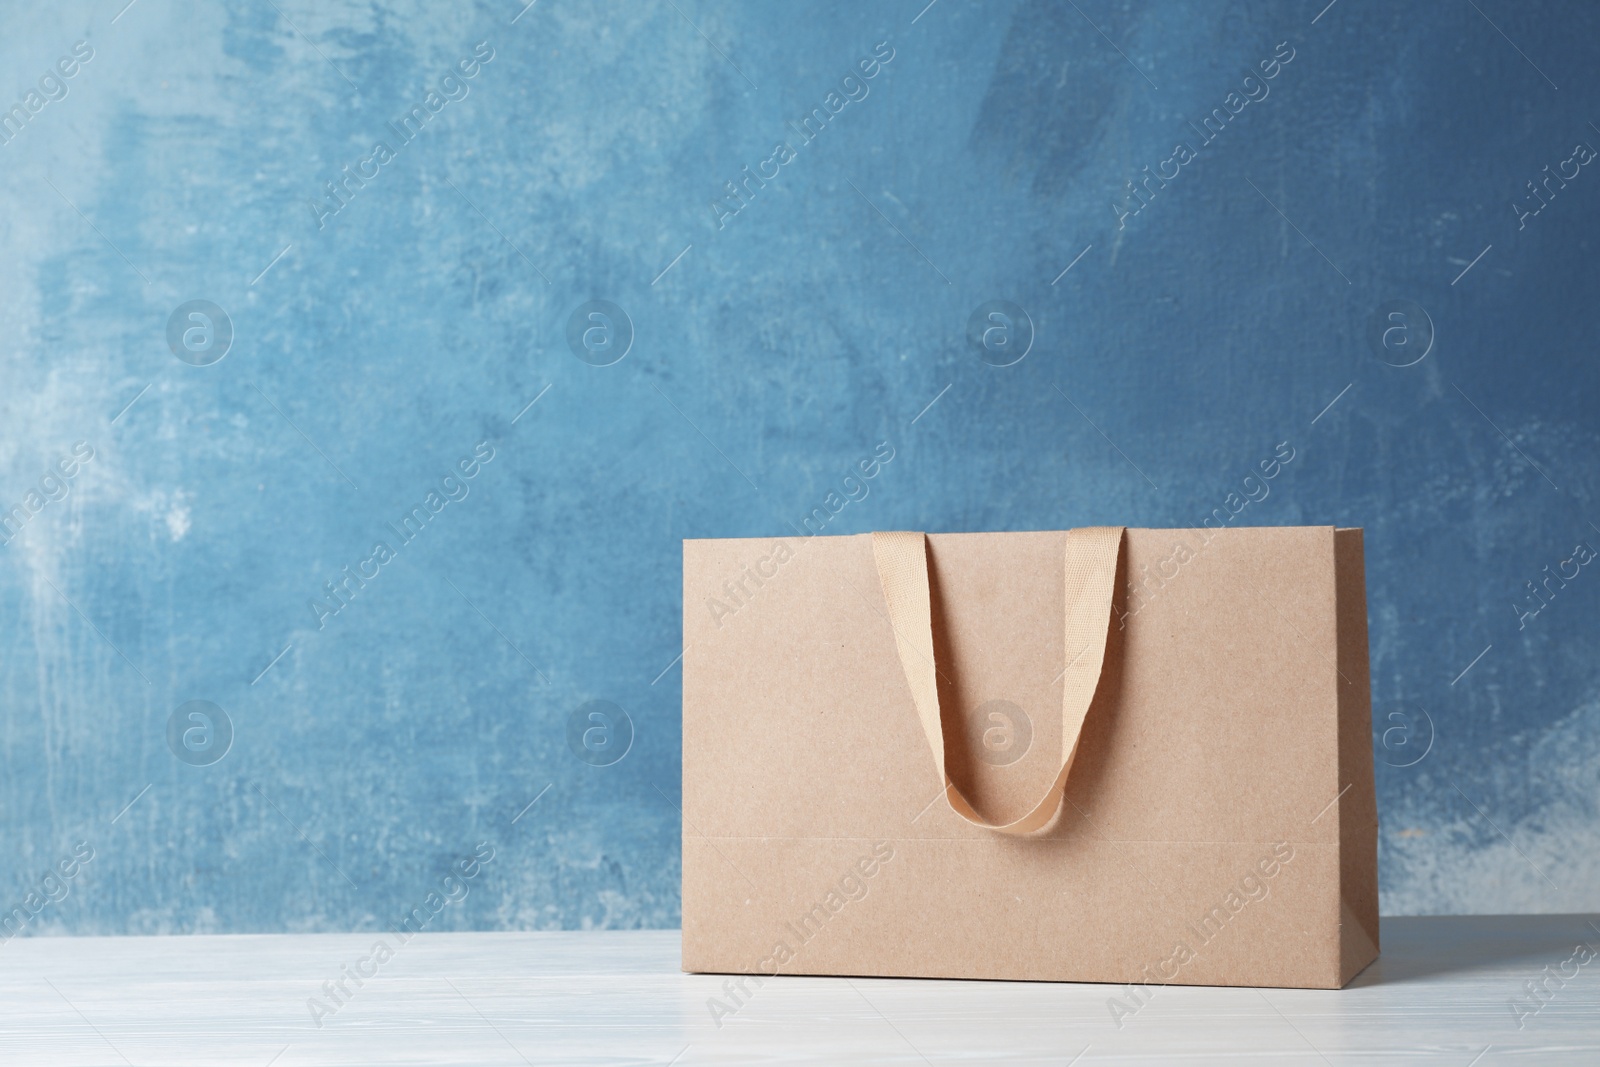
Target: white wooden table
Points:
(1442, 993)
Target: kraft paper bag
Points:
(1099, 755)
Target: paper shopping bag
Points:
(1102, 755)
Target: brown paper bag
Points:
(1137, 756)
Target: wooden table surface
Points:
(1446, 991)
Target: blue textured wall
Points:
(383, 333)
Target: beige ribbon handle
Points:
(902, 560)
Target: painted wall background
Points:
(375, 346)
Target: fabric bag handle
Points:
(1091, 574)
